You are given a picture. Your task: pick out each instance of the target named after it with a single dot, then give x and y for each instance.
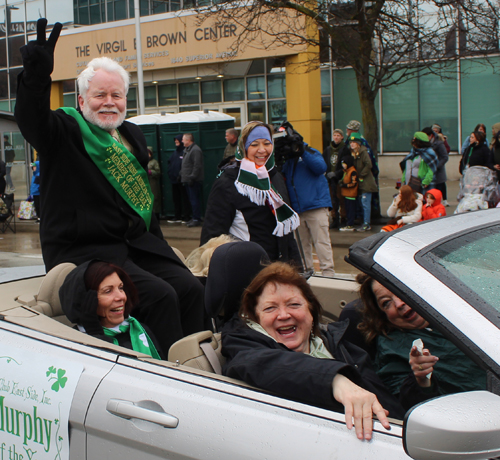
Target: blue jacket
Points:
(305, 177)
(35, 186)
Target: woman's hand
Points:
(397, 200)
(360, 405)
(497, 167)
(422, 365)
(400, 222)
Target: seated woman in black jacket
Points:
(477, 153)
(98, 296)
(275, 343)
(413, 374)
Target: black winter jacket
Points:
(480, 156)
(225, 202)
(262, 362)
(84, 216)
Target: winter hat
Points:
(338, 131)
(436, 126)
(421, 136)
(179, 138)
(355, 137)
(348, 160)
(354, 125)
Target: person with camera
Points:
(249, 199)
(304, 170)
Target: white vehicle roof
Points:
(197, 116)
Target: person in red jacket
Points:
(433, 207)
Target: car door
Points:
(142, 410)
(29, 348)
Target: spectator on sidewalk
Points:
(154, 175)
(349, 190)
(442, 154)
(10, 155)
(310, 197)
(180, 199)
(232, 143)
(192, 176)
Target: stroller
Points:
(478, 190)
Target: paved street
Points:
(23, 248)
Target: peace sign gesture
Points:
(38, 55)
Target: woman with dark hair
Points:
(479, 127)
(249, 199)
(406, 208)
(99, 296)
(276, 343)
(401, 333)
(420, 165)
(182, 208)
(477, 154)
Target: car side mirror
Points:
(459, 426)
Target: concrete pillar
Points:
(56, 95)
(303, 93)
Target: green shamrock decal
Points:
(60, 380)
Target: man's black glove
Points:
(38, 55)
(87, 310)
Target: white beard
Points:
(93, 118)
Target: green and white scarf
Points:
(317, 348)
(118, 165)
(138, 336)
(255, 184)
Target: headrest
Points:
(232, 267)
(49, 289)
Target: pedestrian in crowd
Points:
(89, 212)
(442, 154)
(433, 206)
(35, 188)
(310, 198)
(182, 208)
(482, 128)
(10, 155)
(406, 208)
(249, 199)
(420, 165)
(349, 189)
(495, 152)
(367, 184)
(332, 156)
(3, 171)
(440, 136)
(353, 127)
(477, 154)
(192, 177)
(232, 143)
(154, 175)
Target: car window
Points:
(470, 264)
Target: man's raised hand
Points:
(38, 55)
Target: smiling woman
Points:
(98, 297)
(414, 361)
(276, 343)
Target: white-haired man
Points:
(95, 192)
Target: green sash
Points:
(118, 165)
(141, 341)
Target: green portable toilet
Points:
(209, 131)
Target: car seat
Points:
(232, 268)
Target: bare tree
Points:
(386, 42)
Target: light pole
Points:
(138, 46)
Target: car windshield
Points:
(474, 260)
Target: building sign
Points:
(166, 43)
(35, 399)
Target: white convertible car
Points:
(64, 394)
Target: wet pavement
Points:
(23, 247)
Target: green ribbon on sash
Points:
(118, 165)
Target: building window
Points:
(277, 112)
(256, 88)
(132, 99)
(150, 96)
(234, 90)
(211, 91)
(189, 93)
(276, 86)
(167, 95)
(257, 111)
(325, 83)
